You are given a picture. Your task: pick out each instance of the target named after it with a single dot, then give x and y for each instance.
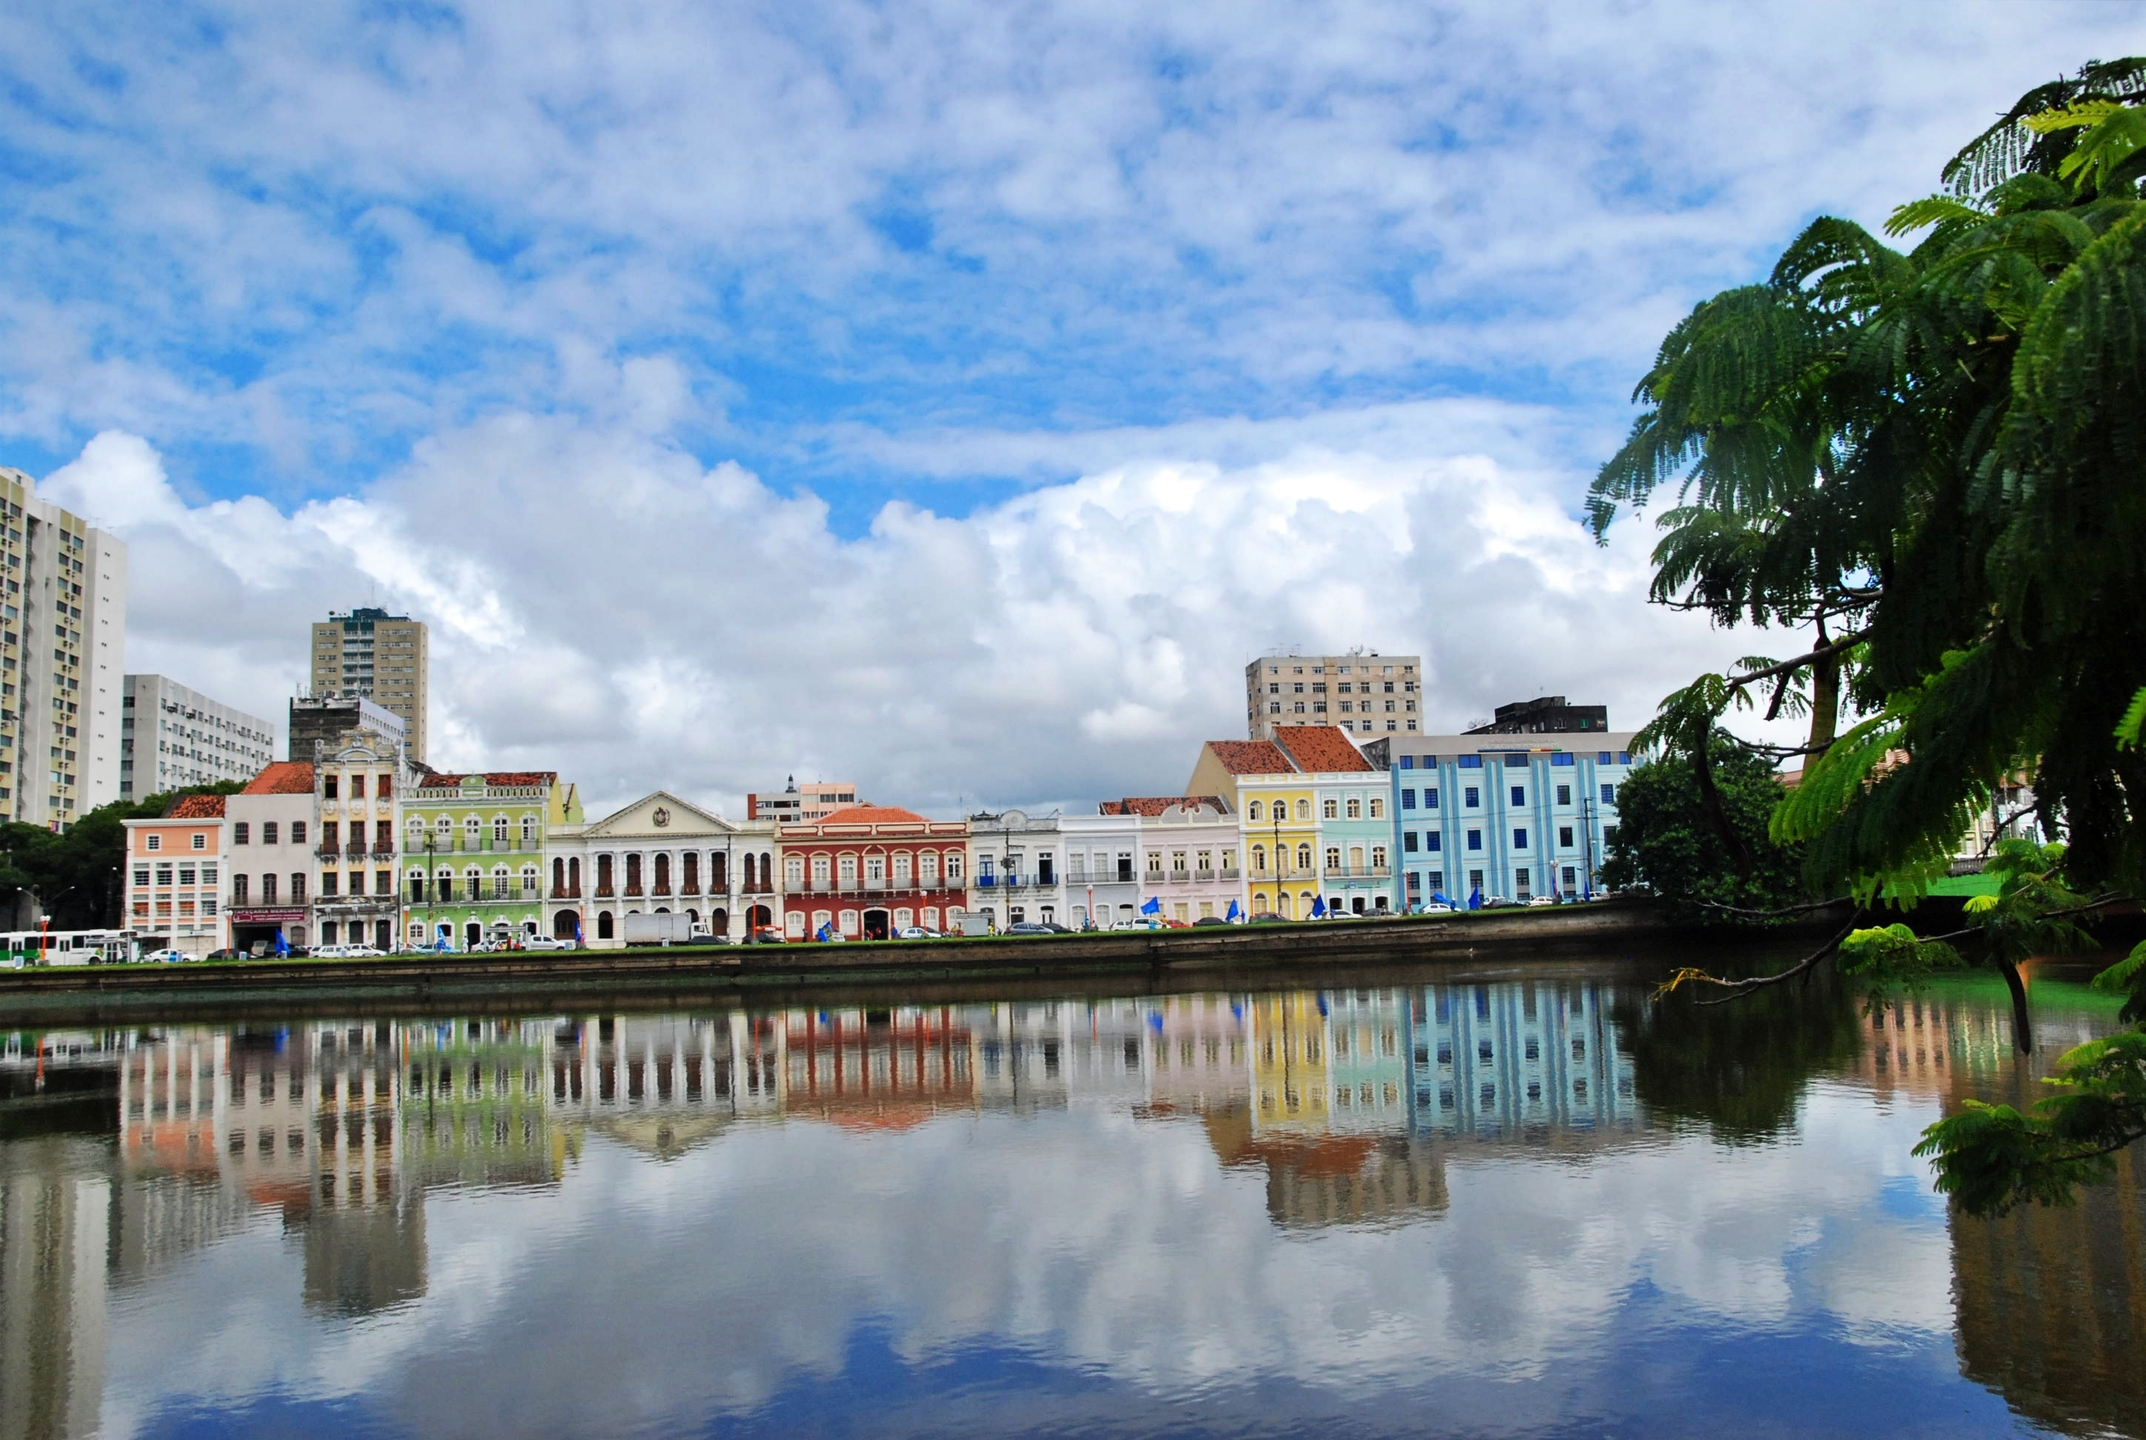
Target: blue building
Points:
(1503, 1061)
(1502, 810)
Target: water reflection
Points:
(1397, 1209)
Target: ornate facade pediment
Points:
(658, 819)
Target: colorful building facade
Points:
(1316, 837)
(661, 855)
(175, 877)
(475, 851)
(870, 871)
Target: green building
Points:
(474, 854)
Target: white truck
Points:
(665, 927)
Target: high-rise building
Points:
(1363, 692)
(170, 736)
(372, 655)
(63, 627)
(799, 804)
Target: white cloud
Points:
(604, 604)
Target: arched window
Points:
(474, 879)
(820, 870)
(1254, 811)
(499, 882)
(528, 832)
(603, 874)
(1356, 858)
(603, 924)
(719, 873)
(417, 832)
(1303, 857)
(793, 871)
(875, 869)
(499, 831)
(663, 875)
(689, 883)
(904, 864)
(558, 876)
(928, 867)
(443, 886)
(417, 887)
(953, 866)
(446, 832)
(633, 873)
(1303, 809)
(473, 832)
(1259, 859)
(849, 872)
(529, 882)
(573, 875)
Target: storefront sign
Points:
(267, 917)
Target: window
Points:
(1378, 857)
(268, 889)
(1303, 809)
(528, 832)
(1520, 839)
(1470, 762)
(1603, 758)
(417, 887)
(298, 888)
(240, 833)
(1332, 810)
(849, 870)
(201, 841)
(1430, 799)
(239, 888)
(163, 874)
(385, 788)
(1356, 809)
(186, 874)
(298, 832)
(156, 842)
(327, 787)
(1408, 799)
(499, 830)
(953, 866)
(1408, 842)
(1274, 707)
(357, 787)
(1299, 706)
(1255, 812)
(1571, 877)
(1520, 796)
(1609, 794)
(1475, 839)
(1470, 796)
(1378, 808)
(1333, 858)
(1564, 794)
(383, 882)
(141, 875)
(1304, 857)
(329, 879)
(1154, 865)
(1259, 859)
(1433, 841)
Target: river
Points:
(1528, 1201)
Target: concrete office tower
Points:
(170, 736)
(372, 655)
(318, 720)
(63, 627)
(1363, 692)
(798, 804)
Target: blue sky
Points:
(944, 256)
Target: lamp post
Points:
(1276, 816)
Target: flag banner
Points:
(1152, 907)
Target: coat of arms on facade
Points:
(662, 817)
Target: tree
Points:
(1932, 458)
(78, 874)
(1667, 842)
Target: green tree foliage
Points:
(1931, 459)
(1669, 835)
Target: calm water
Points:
(1493, 1207)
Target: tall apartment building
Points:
(1363, 692)
(372, 655)
(63, 627)
(171, 736)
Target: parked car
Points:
(362, 952)
(225, 954)
(1168, 923)
(1209, 920)
(1437, 907)
(164, 957)
(1030, 927)
(546, 942)
(1545, 900)
(918, 932)
(1133, 925)
(1268, 917)
(1499, 902)
(1343, 915)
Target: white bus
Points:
(68, 947)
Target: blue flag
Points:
(283, 946)
(1153, 906)
(1439, 896)
(1475, 898)
(1234, 912)
(1318, 908)
(822, 934)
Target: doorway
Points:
(472, 935)
(875, 924)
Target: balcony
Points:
(1179, 877)
(566, 892)
(1203, 875)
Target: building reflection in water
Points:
(124, 1151)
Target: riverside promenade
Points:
(1309, 951)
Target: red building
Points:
(871, 871)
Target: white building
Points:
(1056, 869)
(63, 624)
(660, 855)
(1191, 854)
(271, 845)
(171, 737)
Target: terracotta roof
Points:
(1321, 749)
(197, 807)
(871, 815)
(1251, 757)
(502, 778)
(1152, 805)
(282, 777)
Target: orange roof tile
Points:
(872, 815)
(1152, 805)
(1321, 749)
(435, 780)
(1251, 757)
(197, 807)
(282, 777)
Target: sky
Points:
(949, 397)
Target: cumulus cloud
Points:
(605, 604)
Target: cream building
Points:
(171, 736)
(661, 854)
(372, 655)
(1362, 692)
(63, 628)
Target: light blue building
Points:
(1504, 813)
(1518, 1060)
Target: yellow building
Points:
(1292, 1069)
(1302, 838)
